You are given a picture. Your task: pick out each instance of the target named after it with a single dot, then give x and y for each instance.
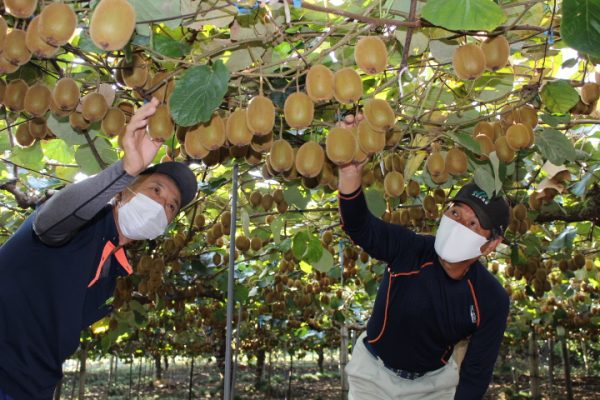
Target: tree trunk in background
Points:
(291, 372)
(534, 366)
(321, 359)
(513, 371)
(260, 369)
(139, 377)
(166, 363)
(57, 390)
(567, 367)
(82, 369)
(551, 367)
(158, 366)
(586, 365)
(190, 390)
(221, 350)
(344, 361)
(270, 370)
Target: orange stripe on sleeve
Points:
(387, 303)
(343, 197)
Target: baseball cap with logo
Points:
(493, 213)
(181, 174)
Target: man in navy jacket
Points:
(435, 293)
(60, 267)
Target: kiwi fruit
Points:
(266, 202)
(359, 155)
(93, 107)
(393, 183)
(136, 74)
(260, 115)
(456, 161)
(255, 243)
(57, 111)
(262, 144)
(37, 100)
(429, 203)
(486, 146)
(498, 129)
(238, 151)
(393, 162)
(242, 243)
(57, 23)
(340, 146)
(212, 133)
(435, 164)
(518, 136)
(379, 115)
(520, 212)
(535, 202)
(371, 55)
(310, 159)
(255, 198)
(253, 157)
(526, 115)
(503, 151)
(3, 32)
(392, 137)
(193, 144)
(66, 94)
(113, 121)
(37, 128)
(434, 120)
(590, 92)
(15, 48)
(319, 83)
(441, 178)
(413, 189)
(236, 129)
(468, 62)
(347, 86)
(164, 86)
(369, 141)
(78, 122)
(298, 110)
(8, 68)
(14, 95)
(20, 8)
(485, 128)
(281, 156)
(23, 137)
(439, 196)
(2, 90)
(160, 125)
(35, 43)
(112, 24)
(496, 51)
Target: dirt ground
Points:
(307, 383)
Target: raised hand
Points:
(140, 149)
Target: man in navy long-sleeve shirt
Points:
(434, 293)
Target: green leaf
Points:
(314, 250)
(276, 227)
(325, 262)
(465, 140)
(375, 201)
(293, 196)
(496, 170)
(300, 244)
(30, 157)
(555, 146)
(484, 178)
(464, 14)
(148, 10)
(564, 240)
(559, 96)
(580, 188)
(580, 25)
(199, 91)
(555, 120)
(305, 267)
(88, 162)
(63, 129)
(245, 218)
(86, 44)
(59, 151)
(170, 47)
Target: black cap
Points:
(493, 213)
(181, 174)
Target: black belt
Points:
(399, 372)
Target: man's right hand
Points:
(138, 146)
(350, 175)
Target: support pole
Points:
(234, 190)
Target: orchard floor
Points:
(306, 384)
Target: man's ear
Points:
(491, 245)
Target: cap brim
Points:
(484, 220)
(184, 178)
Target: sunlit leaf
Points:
(580, 25)
(464, 14)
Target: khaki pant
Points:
(369, 379)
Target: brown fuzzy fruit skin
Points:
(15, 48)
(136, 74)
(14, 95)
(211, 133)
(485, 128)
(379, 114)
(160, 125)
(236, 128)
(393, 183)
(93, 107)
(413, 188)
(319, 83)
(590, 92)
(526, 115)
(163, 93)
(371, 55)
(2, 90)
(37, 100)
(485, 145)
(66, 94)
(20, 8)
(496, 51)
(113, 121)
(24, 138)
(518, 136)
(57, 23)
(78, 122)
(37, 128)
(3, 32)
(310, 159)
(193, 145)
(281, 156)
(260, 115)
(369, 141)
(340, 146)
(298, 110)
(35, 43)
(262, 144)
(6, 67)
(112, 24)
(436, 164)
(504, 152)
(468, 62)
(347, 86)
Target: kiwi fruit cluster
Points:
(588, 98)
(471, 60)
(267, 200)
(519, 220)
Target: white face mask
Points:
(454, 242)
(142, 218)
